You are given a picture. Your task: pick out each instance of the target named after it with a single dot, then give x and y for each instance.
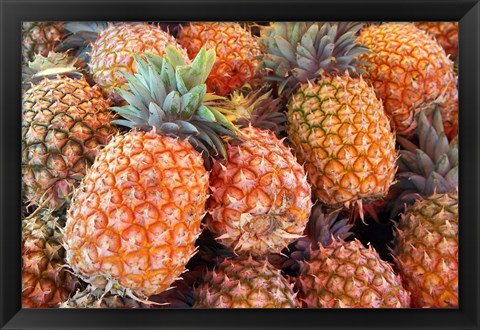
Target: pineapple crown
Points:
(258, 108)
(429, 168)
(169, 96)
(299, 52)
(81, 35)
(322, 229)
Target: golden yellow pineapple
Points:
(336, 124)
(446, 34)
(245, 283)
(260, 196)
(426, 250)
(409, 70)
(45, 282)
(342, 135)
(65, 121)
(115, 46)
(237, 54)
(133, 222)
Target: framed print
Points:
(271, 164)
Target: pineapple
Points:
(244, 283)
(408, 69)
(65, 121)
(237, 54)
(426, 242)
(348, 275)
(45, 282)
(446, 34)
(260, 197)
(115, 46)
(40, 38)
(133, 222)
(335, 122)
(426, 250)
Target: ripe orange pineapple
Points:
(409, 70)
(115, 46)
(446, 34)
(348, 275)
(237, 54)
(332, 273)
(245, 283)
(426, 250)
(133, 222)
(336, 124)
(260, 196)
(426, 242)
(65, 121)
(45, 283)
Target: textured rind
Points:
(408, 69)
(348, 275)
(64, 123)
(44, 282)
(446, 34)
(40, 38)
(114, 49)
(237, 52)
(426, 251)
(135, 218)
(340, 132)
(244, 283)
(260, 198)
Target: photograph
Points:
(240, 164)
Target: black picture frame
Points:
(13, 12)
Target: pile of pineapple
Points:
(239, 165)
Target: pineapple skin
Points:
(134, 220)
(446, 34)
(237, 53)
(426, 251)
(44, 282)
(348, 275)
(409, 70)
(260, 197)
(244, 283)
(340, 132)
(114, 49)
(65, 121)
(40, 38)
